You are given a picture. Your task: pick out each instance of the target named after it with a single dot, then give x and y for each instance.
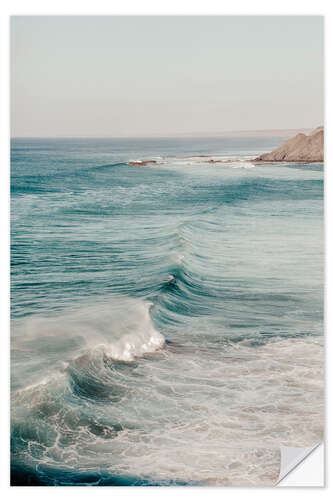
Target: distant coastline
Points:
(247, 133)
(308, 148)
(230, 133)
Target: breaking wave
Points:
(166, 318)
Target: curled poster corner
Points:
(291, 457)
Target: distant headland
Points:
(300, 148)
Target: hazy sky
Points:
(128, 76)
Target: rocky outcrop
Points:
(142, 162)
(301, 148)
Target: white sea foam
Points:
(208, 407)
(137, 334)
(227, 436)
(183, 422)
(201, 161)
(244, 165)
(122, 328)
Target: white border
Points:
(141, 7)
(170, 7)
(309, 472)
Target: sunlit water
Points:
(166, 318)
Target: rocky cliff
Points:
(301, 148)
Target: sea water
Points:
(167, 318)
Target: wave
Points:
(110, 165)
(120, 329)
(163, 414)
(193, 160)
(119, 388)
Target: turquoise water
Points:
(167, 318)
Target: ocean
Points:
(166, 318)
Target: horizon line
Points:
(170, 135)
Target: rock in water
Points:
(142, 163)
(301, 148)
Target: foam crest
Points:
(121, 327)
(137, 335)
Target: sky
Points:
(116, 76)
